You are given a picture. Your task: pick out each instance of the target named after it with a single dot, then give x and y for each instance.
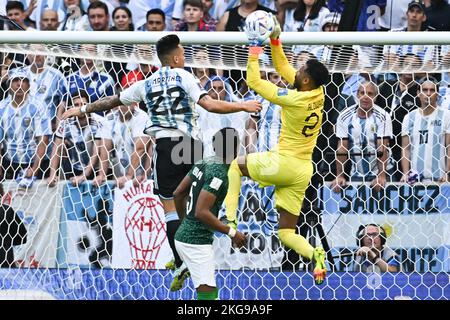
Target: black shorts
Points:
(173, 158)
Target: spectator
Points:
(123, 135)
(328, 23)
(201, 59)
(47, 85)
(363, 130)
(373, 255)
(394, 16)
(140, 9)
(193, 17)
(426, 137)
(210, 22)
(445, 87)
(12, 233)
(16, 12)
(24, 132)
(234, 19)
(371, 11)
(438, 15)
(218, 88)
(142, 72)
(96, 83)
(306, 16)
(75, 18)
(156, 20)
(263, 128)
(98, 16)
(49, 20)
(78, 139)
(398, 98)
(123, 21)
(416, 18)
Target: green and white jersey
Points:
(210, 174)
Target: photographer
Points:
(372, 255)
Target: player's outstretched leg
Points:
(300, 245)
(171, 265)
(179, 277)
(320, 269)
(234, 187)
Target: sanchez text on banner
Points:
(416, 219)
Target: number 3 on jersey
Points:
(314, 118)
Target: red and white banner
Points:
(39, 208)
(139, 237)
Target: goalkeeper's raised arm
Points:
(280, 62)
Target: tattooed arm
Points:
(103, 104)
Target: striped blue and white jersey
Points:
(80, 141)
(362, 135)
(123, 134)
(269, 125)
(20, 127)
(96, 84)
(170, 96)
(48, 87)
(427, 138)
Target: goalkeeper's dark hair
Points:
(166, 45)
(317, 71)
(226, 143)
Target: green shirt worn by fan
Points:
(210, 174)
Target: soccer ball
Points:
(259, 25)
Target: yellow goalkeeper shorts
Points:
(289, 175)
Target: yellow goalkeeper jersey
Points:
(301, 111)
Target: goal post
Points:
(90, 241)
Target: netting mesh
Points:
(82, 190)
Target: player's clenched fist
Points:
(239, 239)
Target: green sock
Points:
(210, 295)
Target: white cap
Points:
(17, 73)
(332, 17)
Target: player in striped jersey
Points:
(426, 136)
(364, 130)
(123, 134)
(170, 95)
(79, 138)
(24, 130)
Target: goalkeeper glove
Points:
(276, 30)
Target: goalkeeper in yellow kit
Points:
(289, 166)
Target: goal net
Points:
(74, 226)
